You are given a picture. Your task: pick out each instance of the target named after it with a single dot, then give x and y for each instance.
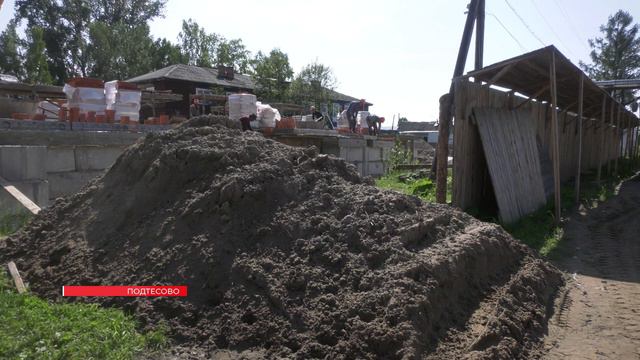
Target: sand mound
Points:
(287, 253)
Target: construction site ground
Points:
(597, 315)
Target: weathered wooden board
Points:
(18, 195)
(509, 143)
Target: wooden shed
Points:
(524, 125)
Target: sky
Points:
(398, 55)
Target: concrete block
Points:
(374, 154)
(345, 142)
(96, 158)
(18, 163)
(67, 183)
(355, 154)
(36, 190)
(61, 160)
(375, 168)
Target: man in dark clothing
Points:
(374, 122)
(352, 113)
(246, 121)
(315, 114)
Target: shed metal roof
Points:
(529, 74)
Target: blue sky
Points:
(397, 54)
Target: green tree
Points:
(272, 75)
(313, 84)
(197, 45)
(119, 51)
(165, 53)
(68, 24)
(36, 67)
(403, 119)
(233, 53)
(10, 51)
(616, 55)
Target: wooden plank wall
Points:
(509, 142)
(469, 164)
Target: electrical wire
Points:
(573, 28)
(551, 28)
(524, 23)
(507, 30)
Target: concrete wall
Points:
(45, 165)
(370, 156)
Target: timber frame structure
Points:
(588, 129)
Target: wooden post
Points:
(17, 279)
(580, 105)
(442, 150)
(479, 35)
(611, 124)
(618, 137)
(601, 152)
(555, 141)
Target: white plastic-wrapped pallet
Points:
(361, 118)
(343, 121)
(125, 102)
(85, 98)
(267, 115)
(241, 105)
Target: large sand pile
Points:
(287, 253)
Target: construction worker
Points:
(374, 123)
(245, 121)
(315, 114)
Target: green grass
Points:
(423, 188)
(10, 223)
(33, 328)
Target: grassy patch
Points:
(10, 223)
(33, 328)
(423, 188)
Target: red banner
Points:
(172, 291)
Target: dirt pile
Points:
(287, 253)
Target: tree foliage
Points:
(313, 84)
(10, 56)
(36, 67)
(615, 55)
(272, 74)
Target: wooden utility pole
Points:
(601, 152)
(580, 109)
(442, 150)
(555, 144)
(479, 35)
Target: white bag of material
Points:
(361, 118)
(241, 105)
(266, 115)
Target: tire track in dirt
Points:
(598, 316)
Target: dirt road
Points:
(598, 314)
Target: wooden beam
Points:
(17, 279)
(18, 195)
(618, 137)
(601, 152)
(534, 96)
(555, 142)
(580, 106)
(500, 74)
(479, 35)
(442, 150)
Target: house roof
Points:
(196, 74)
(416, 126)
(339, 97)
(529, 75)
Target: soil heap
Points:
(287, 254)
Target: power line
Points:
(573, 28)
(524, 23)
(551, 28)
(507, 30)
